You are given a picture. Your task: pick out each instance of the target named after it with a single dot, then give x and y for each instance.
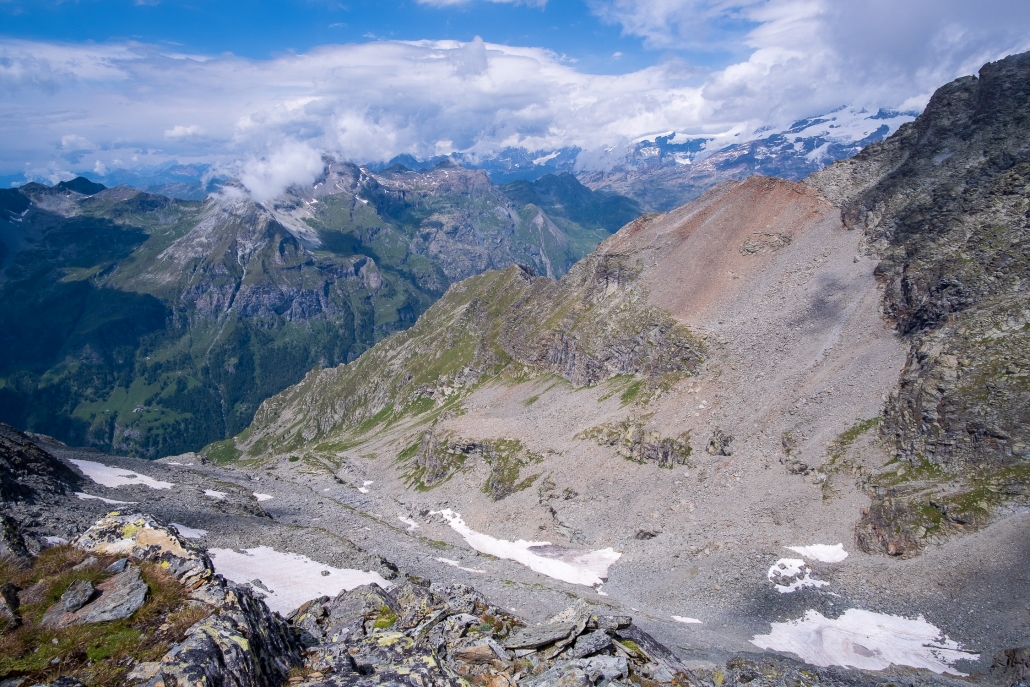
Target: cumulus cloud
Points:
(141, 103)
(292, 163)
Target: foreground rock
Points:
(241, 643)
(421, 634)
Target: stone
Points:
(89, 562)
(12, 542)
(119, 597)
(77, 595)
(606, 667)
(719, 444)
(144, 671)
(9, 604)
(589, 644)
(118, 566)
(608, 622)
(541, 635)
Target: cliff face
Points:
(944, 203)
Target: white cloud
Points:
(100, 168)
(291, 163)
(370, 101)
(180, 131)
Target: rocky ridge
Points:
(943, 203)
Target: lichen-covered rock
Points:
(242, 645)
(143, 538)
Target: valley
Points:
(776, 435)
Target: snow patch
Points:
(589, 568)
(792, 574)
(688, 621)
(291, 579)
(865, 640)
(112, 477)
(456, 564)
(111, 502)
(545, 158)
(211, 493)
(822, 552)
(188, 532)
(364, 487)
(262, 497)
(412, 525)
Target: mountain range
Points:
(147, 325)
(776, 435)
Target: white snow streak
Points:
(188, 532)
(112, 477)
(262, 497)
(865, 640)
(822, 552)
(588, 568)
(456, 564)
(111, 502)
(292, 579)
(211, 493)
(688, 621)
(412, 525)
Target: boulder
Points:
(118, 597)
(142, 538)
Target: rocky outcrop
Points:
(240, 644)
(590, 326)
(633, 441)
(944, 202)
(450, 635)
(437, 458)
(27, 472)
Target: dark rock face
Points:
(945, 203)
(9, 604)
(27, 472)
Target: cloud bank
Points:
(103, 106)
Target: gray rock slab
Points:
(533, 637)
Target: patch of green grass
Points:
(385, 619)
(98, 654)
(222, 452)
(531, 400)
(632, 392)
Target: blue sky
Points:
(263, 89)
(263, 28)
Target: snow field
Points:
(865, 640)
(292, 579)
(112, 477)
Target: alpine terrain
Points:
(775, 436)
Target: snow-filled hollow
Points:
(292, 579)
(588, 568)
(112, 477)
(865, 640)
